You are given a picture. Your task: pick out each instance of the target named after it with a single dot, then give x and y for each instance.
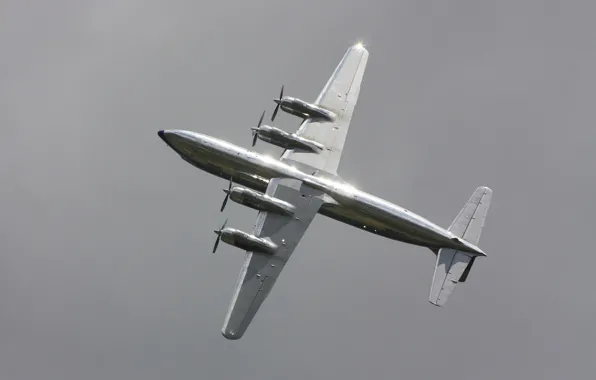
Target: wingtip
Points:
(230, 335)
(359, 46)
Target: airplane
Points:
(290, 191)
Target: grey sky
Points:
(106, 270)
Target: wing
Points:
(260, 271)
(339, 95)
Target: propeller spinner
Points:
(218, 233)
(278, 101)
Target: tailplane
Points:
(453, 266)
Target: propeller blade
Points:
(227, 191)
(275, 111)
(281, 95)
(216, 244)
(225, 201)
(218, 232)
(255, 131)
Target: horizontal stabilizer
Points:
(454, 266)
(450, 267)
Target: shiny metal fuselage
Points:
(345, 203)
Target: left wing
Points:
(260, 271)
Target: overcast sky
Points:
(106, 269)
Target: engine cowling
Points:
(316, 112)
(305, 110)
(248, 242)
(260, 201)
(287, 140)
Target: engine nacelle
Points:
(305, 110)
(287, 140)
(260, 201)
(247, 242)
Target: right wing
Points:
(339, 95)
(260, 271)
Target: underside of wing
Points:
(339, 95)
(260, 270)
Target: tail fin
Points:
(453, 266)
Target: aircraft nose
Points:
(169, 137)
(277, 101)
(183, 142)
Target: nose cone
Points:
(169, 137)
(183, 142)
(277, 101)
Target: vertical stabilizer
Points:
(470, 220)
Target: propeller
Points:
(227, 191)
(278, 101)
(255, 131)
(218, 233)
